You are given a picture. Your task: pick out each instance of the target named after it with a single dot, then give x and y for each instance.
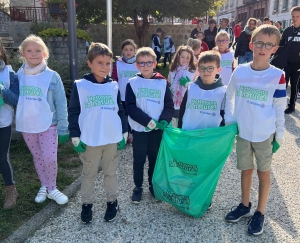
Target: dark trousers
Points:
(292, 74)
(126, 114)
(145, 144)
(167, 57)
(5, 166)
(236, 39)
(158, 56)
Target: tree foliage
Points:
(94, 11)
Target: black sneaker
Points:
(289, 110)
(152, 193)
(137, 195)
(111, 211)
(86, 213)
(256, 224)
(240, 212)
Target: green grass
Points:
(163, 71)
(28, 184)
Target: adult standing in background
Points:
(293, 55)
(210, 34)
(197, 29)
(156, 44)
(242, 51)
(232, 23)
(237, 32)
(225, 26)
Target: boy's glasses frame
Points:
(267, 45)
(209, 69)
(143, 64)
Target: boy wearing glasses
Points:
(256, 100)
(150, 108)
(201, 104)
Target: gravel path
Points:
(159, 222)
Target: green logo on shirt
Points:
(226, 63)
(149, 93)
(99, 100)
(251, 93)
(198, 104)
(127, 74)
(30, 91)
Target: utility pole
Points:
(73, 57)
(109, 22)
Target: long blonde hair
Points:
(36, 39)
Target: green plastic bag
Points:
(189, 165)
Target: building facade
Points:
(280, 10)
(228, 10)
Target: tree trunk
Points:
(143, 29)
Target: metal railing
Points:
(29, 14)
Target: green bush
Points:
(60, 32)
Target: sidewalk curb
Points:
(36, 221)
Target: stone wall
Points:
(18, 31)
(59, 48)
(179, 34)
(23, 3)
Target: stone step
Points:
(7, 41)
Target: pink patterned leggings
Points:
(43, 147)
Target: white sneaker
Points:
(42, 195)
(58, 196)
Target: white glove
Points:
(75, 141)
(151, 125)
(228, 123)
(279, 141)
(125, 135)
(1, 88)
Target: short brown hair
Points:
(266, 30)
(98, 49)
(145, 51)
(210, 56)
(296, 8)
(225, 19)
(128, 42)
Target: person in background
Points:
(267, 20)
(156, 44)
(197, 29)
(168, 48)
(292, 69)
(232, 23)
(210, 34)
(278, 25)
(237, 32)
(242, 51)
(225, 26)
(258, 23)
(204, 46)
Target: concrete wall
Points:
(179, 34)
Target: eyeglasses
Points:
(260, 44)
(143, 64)
(222, 41)
(208, 69)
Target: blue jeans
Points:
(247, 58)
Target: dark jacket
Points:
(194, 33)
(209, 38)
(294, 45)
(218, 83)
(74, 108)
(155, 39)
(242, 45)
(140, 116)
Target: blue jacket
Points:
(11, 95)
(56, 98)
(74, 108)
(141, 117)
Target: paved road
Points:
(159, 222)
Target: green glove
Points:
(276, 146)
(152, 125)
(168, 48)
(122, 144)
(1, 101)
(78, 145)
(183, 81)
(163, 124)
(63, 138)
(162, 49)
